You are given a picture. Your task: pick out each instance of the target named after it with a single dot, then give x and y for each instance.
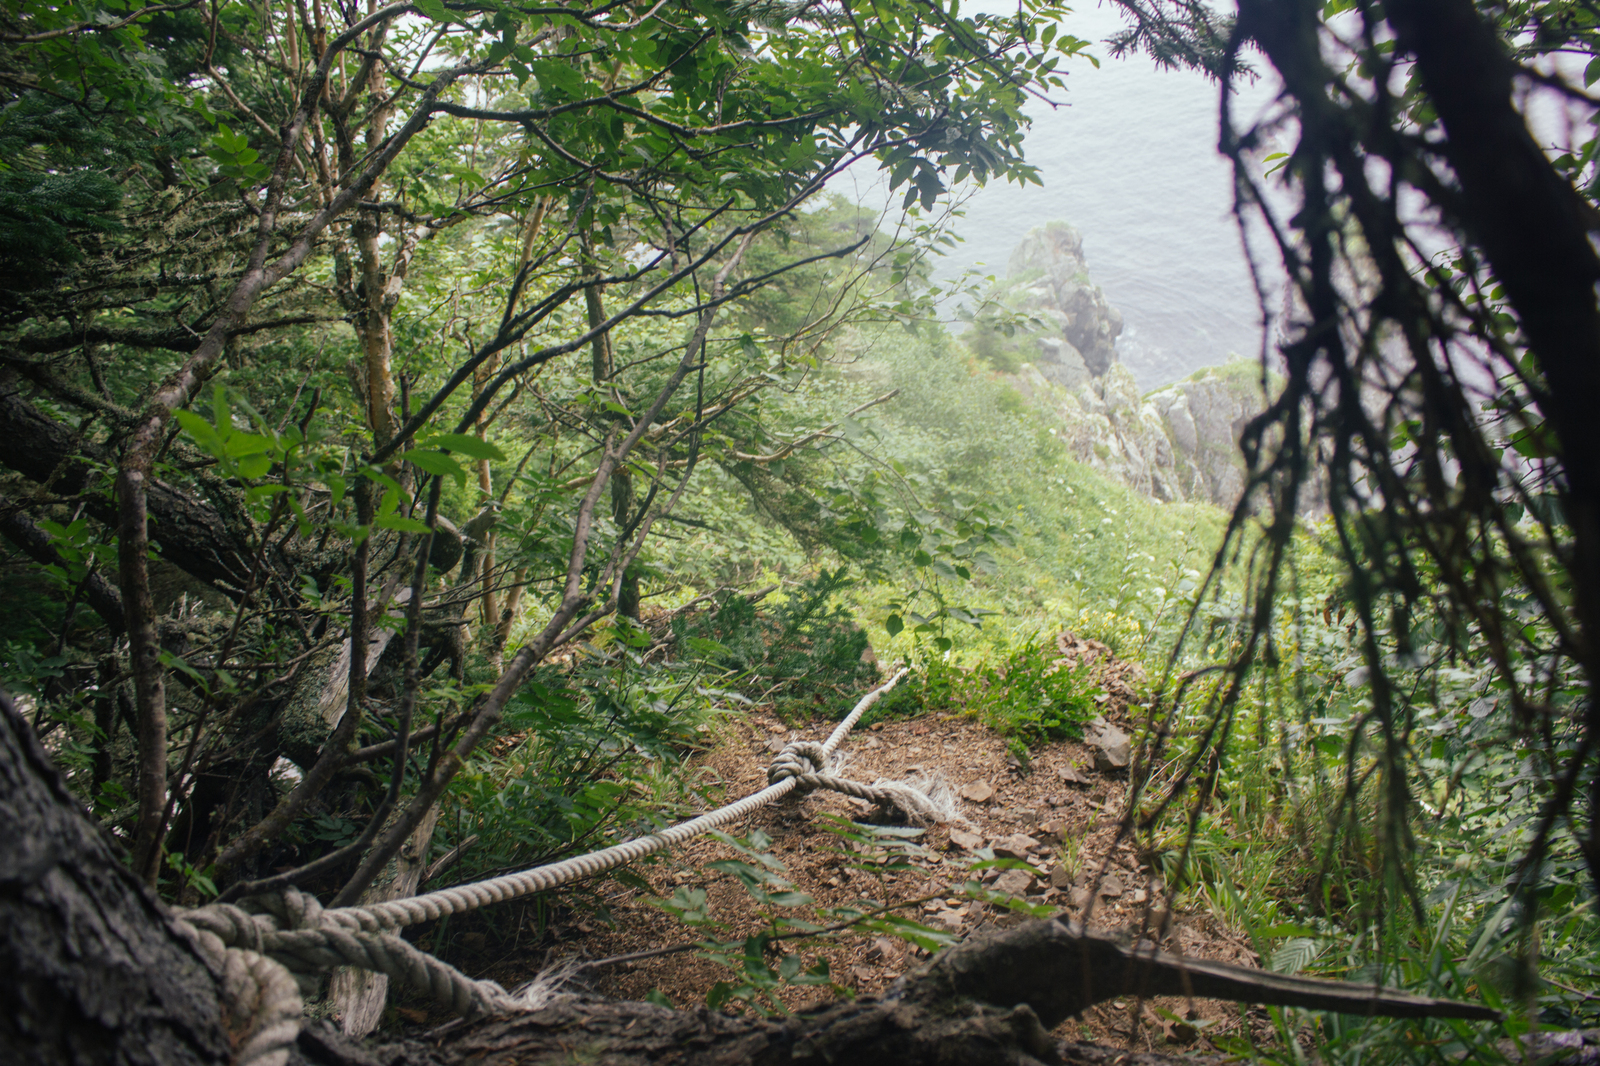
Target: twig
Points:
(445, 861)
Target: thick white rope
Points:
(268, 956)
(395, 914)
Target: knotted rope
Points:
(273, 948)
(805, 762)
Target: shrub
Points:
(796, 652)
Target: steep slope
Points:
(1050, 331)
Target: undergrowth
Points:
(798, 649)
(1022, 692)
(1281, 849)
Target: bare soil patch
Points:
(1060, 811)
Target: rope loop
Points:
(800, 759)
(234, 926)
(267, 950)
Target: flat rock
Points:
(1111, 886)
(1080, 898)
(1072, 777)
(1112, 747)
(963, 839)
(1060, 878)
(978, 792)
(1014, 882)
(1052, 831)
(1016, 846)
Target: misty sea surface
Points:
(1130, 160)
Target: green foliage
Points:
(590, 756)
(796, 649)
(1343, 860)
(987, 344)
(51, 203)
(1021, 692)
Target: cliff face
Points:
(1177, 444)
(1049, 329)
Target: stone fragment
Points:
(1016, 846)
(978, 792)
(1014, 882)
(1053, 831)
(1111, 887)
(1071, 776)
(963, 839)
(1112, 747)
(1060, 878)
(1080, 898)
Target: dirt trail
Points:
(1060, 812)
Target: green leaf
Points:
(470, 446)
(894, 624)
(202, 432)
(242, 444)
(707, 647)
(554, 74)
(399, 523)
(437, 463)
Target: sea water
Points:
(1128, 155)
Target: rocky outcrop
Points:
(1179, 443)
(1048, 328)
(1048, 313)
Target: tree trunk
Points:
(358, 996)
(193, 534)
(95, 971)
